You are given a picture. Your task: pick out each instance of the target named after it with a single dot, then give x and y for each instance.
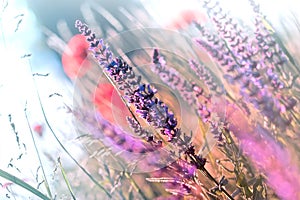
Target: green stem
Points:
(23, 184)
(38, 154)
(62, 146)
(66, 179)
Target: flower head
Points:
(74, 58)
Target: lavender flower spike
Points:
(150, 108)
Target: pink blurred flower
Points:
(185, 18)
(74, 57)
(109, 104)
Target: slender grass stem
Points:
(66, 179)
(204, 171)
(62, 146)
(38, 154)
(135, 185)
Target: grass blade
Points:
(23, 184)
(66, 179)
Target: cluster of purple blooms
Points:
(191, 92)
(243, 58)
(250, 63)
(150, 108)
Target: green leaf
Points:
(23, 184)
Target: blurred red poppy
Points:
(109, 104)
(38, 128)
(74, 57)
(185, 18)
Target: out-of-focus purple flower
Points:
(100, 128)
(179, 180)
(267, 155)
(254, 88)
(193, 94)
